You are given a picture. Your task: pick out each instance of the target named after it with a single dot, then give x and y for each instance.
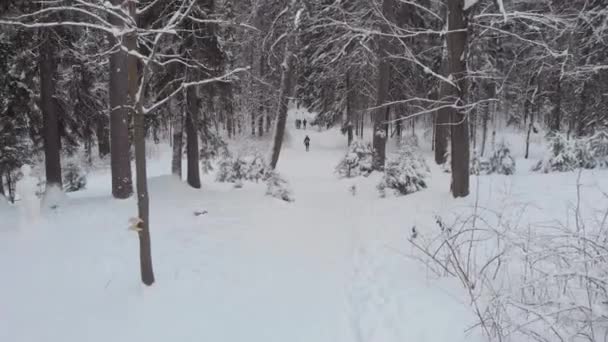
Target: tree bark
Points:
(456, 42)
(50, 121)
(580, 121)
(442, 121)
(192, 151)
(261, 123)
(178, 140)
(530, 128)
(556, 114)
(381, 111)
(103, 135)
(349, 110)
(120, 156)
(2, 193)
(143, 205)
(287, 85)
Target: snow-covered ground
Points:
(332, 266)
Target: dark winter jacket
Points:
(306, 140)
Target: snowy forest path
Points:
(251, 269)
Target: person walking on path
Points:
(304, 122)
(307, 143)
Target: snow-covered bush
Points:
(277, 187)
(405, 174)
(561, 156)
(500, 161)
(256, 168)
(74, 177)
(569, 154)
(231, 169)
(239, 169)
(357, 162)
(597, 145)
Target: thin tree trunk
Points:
(349, 110)
(362, 122)
(442, 119)
(50, 121)
(580, 115)
(556, 114)
(456, 41)
(103, 135)
(380, 133)
(261, 124)
(192, 151)
(530, 129)
(143, 205)
(178, 138)
(489, 110)
(484, 127)
(120, 156)
(473, 127)
(228, 98)
(2, 193)
(10, 186)
(268, 122)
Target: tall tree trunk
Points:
(362, 122)
(442, 121)
(580, 121)
(556, 114)
(192, 151)
(120, 156)
(349, 110)
(268, 122)
(228, 98)
(489, 110)
(253, 124)
(10, 185)
(178, 138)
(380, 113)
(484, 127)
(261, 123)
(143, 204)
(50, 121)
(2, 193)
(457, 41)
(287, 85)
(103, 135)
(530, 129)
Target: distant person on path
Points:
(304, 122)
(307, 143)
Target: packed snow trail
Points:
(253, 269)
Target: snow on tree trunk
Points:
(143, 205)
(287, 85)
(120, 159)
(456, 42)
